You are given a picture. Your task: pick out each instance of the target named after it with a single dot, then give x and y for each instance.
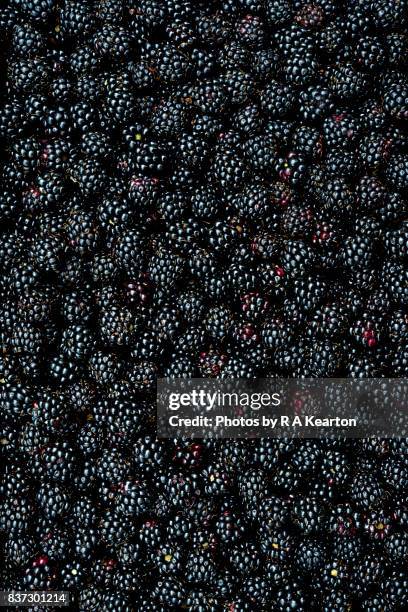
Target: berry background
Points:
(212, 188)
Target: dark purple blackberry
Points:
(346, 83)
(266, 246)
(309, 557)
(117, 326)
(27, 41)
(298, 257)
(228, 168)
(396, 46)
(292, 169)
(244, 558)
(297, 220)
(142, 376)
(75, 21)
(389, 14)
(367, 331)
(248, 120)
(278, 12)
(398, 327)
(238, 367)
(104, 367)
(165, 270)
(28, 75)
(397, 172)
(26, 155)
(239, 86)
(53, 501)
(219, 322)
(307, 141)
(261, 152)
(359, 248)
(90, 176)
(316, 103)
(396, 243)
(370, 53)
(278, 100)
(308, 514)
(40, 574)
(183, 234)
(289, 597)
(366, 490)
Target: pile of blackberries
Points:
(199, 188)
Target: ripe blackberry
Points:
(53, 501)
(74, 20)
(292, 169)
(26, 154)
(261, 152)
(165, 269)
(279, 12)
(28, 75)
(248, 120)
(277, 100)
(346, 83)
(366, 491)
(397, 172)
(228, 168)
(370, 53)
(394, 278)
(389, 14)
(396, 242)
(397, 45)
(244, 558)
(40, 574)
(307, 141)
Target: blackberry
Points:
(28, 75)
(244, 558)
(369, 494)
(90, 176)
(53, 501)
(292, 169)
(117, 326)
(370, 53)
(397, 44)
(40, 574)
(389, 14)
(26, 155)
(297, 221)
(164, 270)
(396, 243)
(228, 168)
(219, 322)
(193, 149)
(74, 20)
(277, 100)
(309, 557)
(346, 83)
(396, 172)
(307, 141)
(290, 597)
(27, 41)
(279, 12)
(394, 279)
(143, 375)
(308, 515)
(261, 152)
